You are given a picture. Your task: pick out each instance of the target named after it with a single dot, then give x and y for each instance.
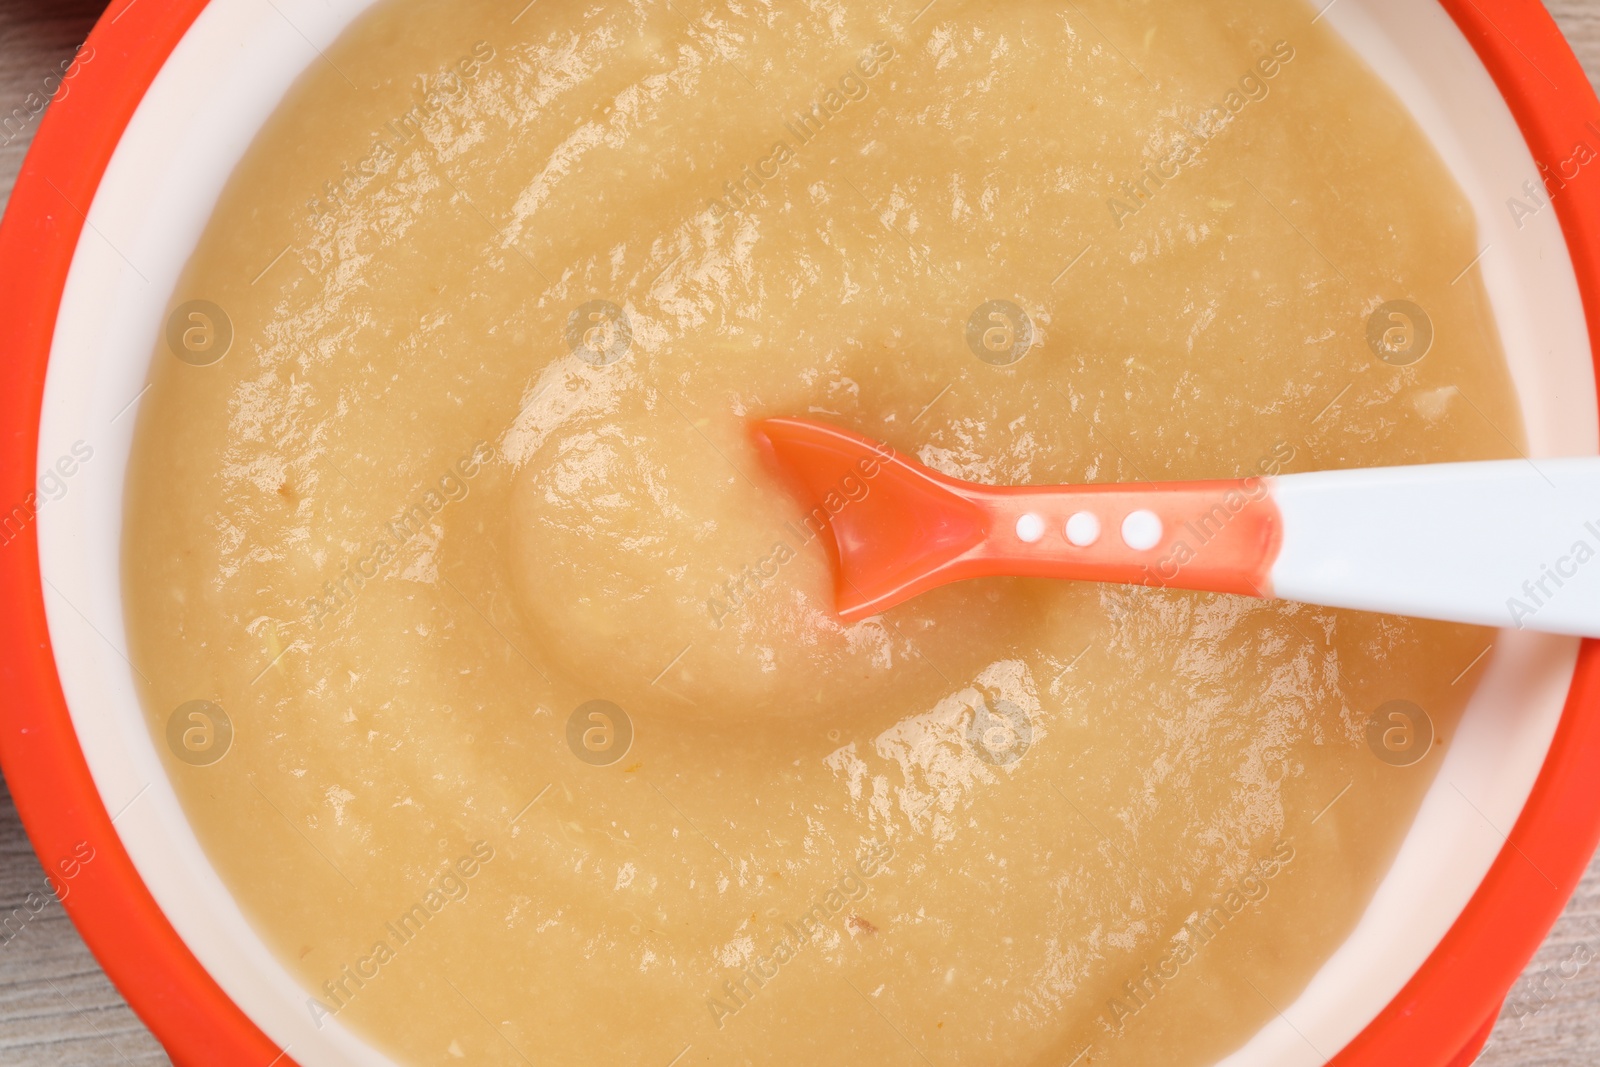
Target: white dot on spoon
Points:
(1030, 528)
(1141, 530)
(1083, 529)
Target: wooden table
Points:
(58, 1009)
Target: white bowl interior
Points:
(199, 117)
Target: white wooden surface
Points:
(58, 1010)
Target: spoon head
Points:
(892, 526)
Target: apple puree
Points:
(497, 674)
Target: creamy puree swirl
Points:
(546, 745)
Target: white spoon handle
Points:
(1511, 543)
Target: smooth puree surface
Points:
(497, 294)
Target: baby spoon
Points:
(1498, 543)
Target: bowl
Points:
(113, 199)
